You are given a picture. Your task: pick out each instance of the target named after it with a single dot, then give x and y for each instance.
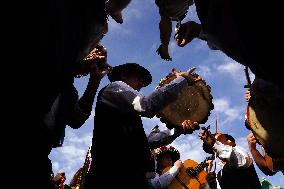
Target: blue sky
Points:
(136, 40)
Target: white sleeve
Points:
(235, 156)
(163, 181)
(120, 95)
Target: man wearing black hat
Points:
(119, 144)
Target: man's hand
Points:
(178, 164)
(207, 137)
(210, 165)
(247, 95)
(188, 75)
(187, 32)
(189, 126)
(99, 71)
(97, 55)
(251, 141)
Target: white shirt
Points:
(235, 156)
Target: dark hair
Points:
(229, 137)
(159, 163)
(207, 148)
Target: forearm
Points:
(151, 105)
(123, 97)
(165, 179)
(83, 107)
(87, 100)
(261, 162)
(165, 26)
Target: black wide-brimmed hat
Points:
(114, 75)
(163, 150)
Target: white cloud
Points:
(231, 67)
(190, 147)
(55, 166)
(204, 71)
(71, 156)
(222, 106)
(71, 152)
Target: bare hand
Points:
(98, 54)
(187, 32)
(247, 95)
(99, 71)
(207, 137)
(189, 75)
(189, 125)
(178, 163)
(251, 141)
(210, 165)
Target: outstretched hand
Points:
(188, 75)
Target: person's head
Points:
(133, 74)
(223, 138)
(166, 156)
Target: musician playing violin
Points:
(238, 170)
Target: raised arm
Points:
(264, 163)
(120, 95)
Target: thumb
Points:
(191, 70)
(174, 71)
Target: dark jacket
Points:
(120, 148)
(233, 178)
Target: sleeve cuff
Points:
(174, 171)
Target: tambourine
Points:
(194, 103)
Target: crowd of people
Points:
(65, 44)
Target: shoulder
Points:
(117, 87)
(117, 84)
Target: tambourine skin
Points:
(267, 127)
(194, 103)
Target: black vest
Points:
(119, 147)
(233, 178)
